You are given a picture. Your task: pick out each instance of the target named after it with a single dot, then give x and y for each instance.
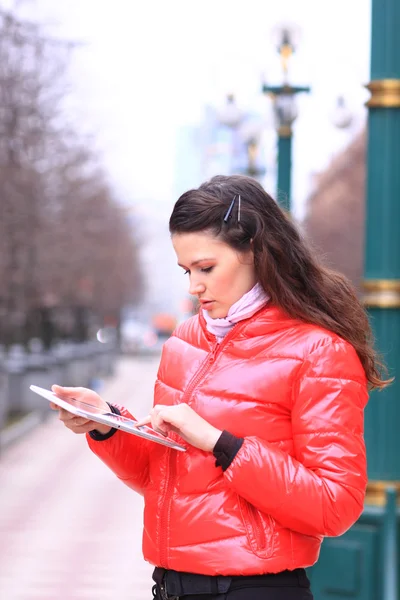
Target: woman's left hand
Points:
(184, 421)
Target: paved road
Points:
(68, 528)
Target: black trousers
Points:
(288, 585)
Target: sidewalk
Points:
(68, 528)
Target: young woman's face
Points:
(218, 275)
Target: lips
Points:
(206, 303)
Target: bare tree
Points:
(335, 219)
(64, 240)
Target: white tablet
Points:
(82, 409)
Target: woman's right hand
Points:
(72, 422)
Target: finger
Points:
(65, 416)
(66, 392)
(76, 423)
(58, 389)
(169, 416)
(53, 406)
(85, 428)
(149, 418)
(80, 421)
(159, 424)
(144, 421)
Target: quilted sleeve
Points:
(319, 490)
(126, 455)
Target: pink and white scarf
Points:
(244, 308)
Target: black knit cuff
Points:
(226, 448)
(100, 437)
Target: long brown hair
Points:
(286, 267)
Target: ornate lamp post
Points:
(250, 134)
(285, 112)
(247, 133)
(230, 115)
(342, 117)
(364, 563)
(382, 281)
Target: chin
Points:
(217, 313)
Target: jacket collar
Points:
(268, 319)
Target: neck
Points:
(243, 309)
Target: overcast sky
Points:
(149, 67)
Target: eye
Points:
(207, 270)
(186, 272)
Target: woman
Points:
(267, 387)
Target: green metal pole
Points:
(382, 278)
(284, 159)
(363, 564)
(284, 179)
(390, 546)
(382, 256)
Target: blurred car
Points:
(163, 324)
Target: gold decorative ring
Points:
(381, 293)
(376, 491)
(385, 93)
(285, 131)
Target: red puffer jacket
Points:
(296, 394)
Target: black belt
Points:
(173, 584)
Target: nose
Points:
(196, 287)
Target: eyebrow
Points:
(196, 262)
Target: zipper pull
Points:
(211, 356)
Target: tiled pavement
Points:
(68, 528)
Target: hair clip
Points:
(229, 211)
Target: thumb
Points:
(65, 391)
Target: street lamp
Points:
(342, 117)
(247, 131)
(230, 114)
(285, 111)
(250, 133)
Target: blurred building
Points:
(336, 211)
(188, 158)
(225, 141)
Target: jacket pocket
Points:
(259, 529)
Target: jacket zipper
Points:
(171, 459)
(166, 509)
(212, 355)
